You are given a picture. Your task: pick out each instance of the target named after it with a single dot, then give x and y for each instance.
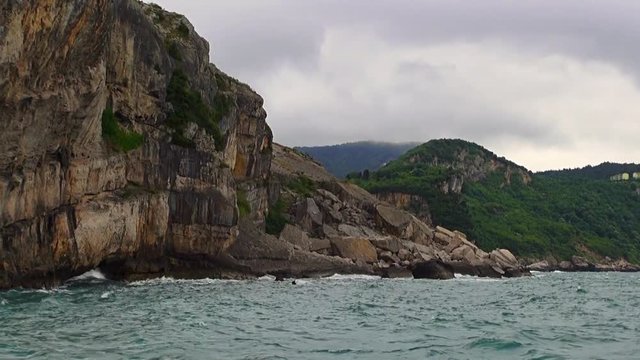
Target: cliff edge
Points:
(122, 146)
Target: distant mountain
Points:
(343, 159)
(600, 172)
(501, 204)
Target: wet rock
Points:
(433, 269)
(581, 264)
(396, 273)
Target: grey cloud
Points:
(528, 77)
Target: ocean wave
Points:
(352, 277)
(169, 280)
(94, 274)
(461, 277)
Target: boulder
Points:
(504, 258)
(404, 254)
(484, 269)
(319, 245)
(394, 220)
(464, 253)
(442, 239)
(329, 231)
(264, 254)
(308, 215)
(516, 272)
(432, 269)
(396, 273)
(565, 266)
(356, 249)
(388, 244)
(449, 233)
(350, 230)
(294, 235)
(540, 266)
(389, 257)
(581, 264)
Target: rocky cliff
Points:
(319, 220)
(122, 146)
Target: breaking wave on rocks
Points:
(547, 316)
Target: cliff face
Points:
(157, 194)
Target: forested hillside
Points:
(501, 204)
(346, 158)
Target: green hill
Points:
(599, 172)
(501, 204)
(358, 156)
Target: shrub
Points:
(276, 219)
(183, 30)
(120, 139)
(188, 107)
(244, 207)
(302, 185)
(173, 50)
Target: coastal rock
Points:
(71, 197)
(308, 215)
(356, 249)
(389, 244)
(264, 254)
(504, 258)
(396, 273)
(433, 269)
(294, 235)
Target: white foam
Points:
(461, 277)
(92, 274)
(169, 280)
(106, 295)
(267, 278)
(4, 302)
(352, 277)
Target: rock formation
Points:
(314, 207)
(124, 148)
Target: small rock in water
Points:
(293, 282)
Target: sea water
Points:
(547, 316)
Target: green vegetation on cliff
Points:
(502, 205)
(188, 107)
(120, 139)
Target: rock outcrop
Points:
(578, 263)
(121, 143)
(367, 230)
(124, 148)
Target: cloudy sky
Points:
(546, 83)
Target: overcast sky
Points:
(545, 83)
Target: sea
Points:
(546, 316)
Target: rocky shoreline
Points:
(187, 183)
(581, 264)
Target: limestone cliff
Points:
(122, 146)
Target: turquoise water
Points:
(549, 316)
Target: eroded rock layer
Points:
(161, 187)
